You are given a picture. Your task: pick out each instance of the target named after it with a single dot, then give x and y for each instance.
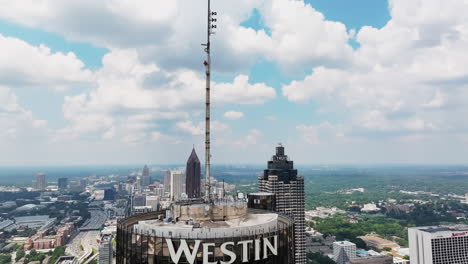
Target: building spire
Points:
(207, 64)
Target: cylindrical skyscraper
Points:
(186, 234)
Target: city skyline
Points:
(325, 79)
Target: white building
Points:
(177, 184)
(438, 244)
(159, 191)
(370, 208)
(40, 182)
(343, 251)
(153, 202)
(142, 209)
(106, 251)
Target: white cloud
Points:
(199, 129)
(233, 115)
(156, 28)
(252, 138)
(160, 137)
(324, 133)
(408, 76)
(24, 65)
(189, 127)
(302, 37)
(407, 80)
(126, 82)
(15, 120)
(217, 126)
(126, 87)
(242, 92)
(439, 100)
(8, 100)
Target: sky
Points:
(336, 82)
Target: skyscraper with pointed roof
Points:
(193, 172)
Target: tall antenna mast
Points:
(207, 64)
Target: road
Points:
(88, 240)
(88, 237)
(96, 221)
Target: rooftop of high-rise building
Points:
(343, 243)
(218, 219)
(443, 228)
(106, 238)
(280, 165)
(193, 158)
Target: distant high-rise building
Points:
(167, 182)
(131, 179)
(109, 194)
(193, 178)
(62, 183)
(177, 185)
(145, 177)
(343, 252)
(105, 250)
(159, 191)
(152, 201)
(82, 183)
(281, 179)
(40, 181)
(438, 244)
(139, 199)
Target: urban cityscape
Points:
(136, 151)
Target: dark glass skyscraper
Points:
(281, 179)
(193, 172)
(62, 183)
(145, 177)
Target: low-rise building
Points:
(343, 251)
(370, 208)
(400, 252)
(43, 243)
(323, 212)
(38, 221)
(142, 209)
(6, 223)
(379, 243)
(63, 234)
